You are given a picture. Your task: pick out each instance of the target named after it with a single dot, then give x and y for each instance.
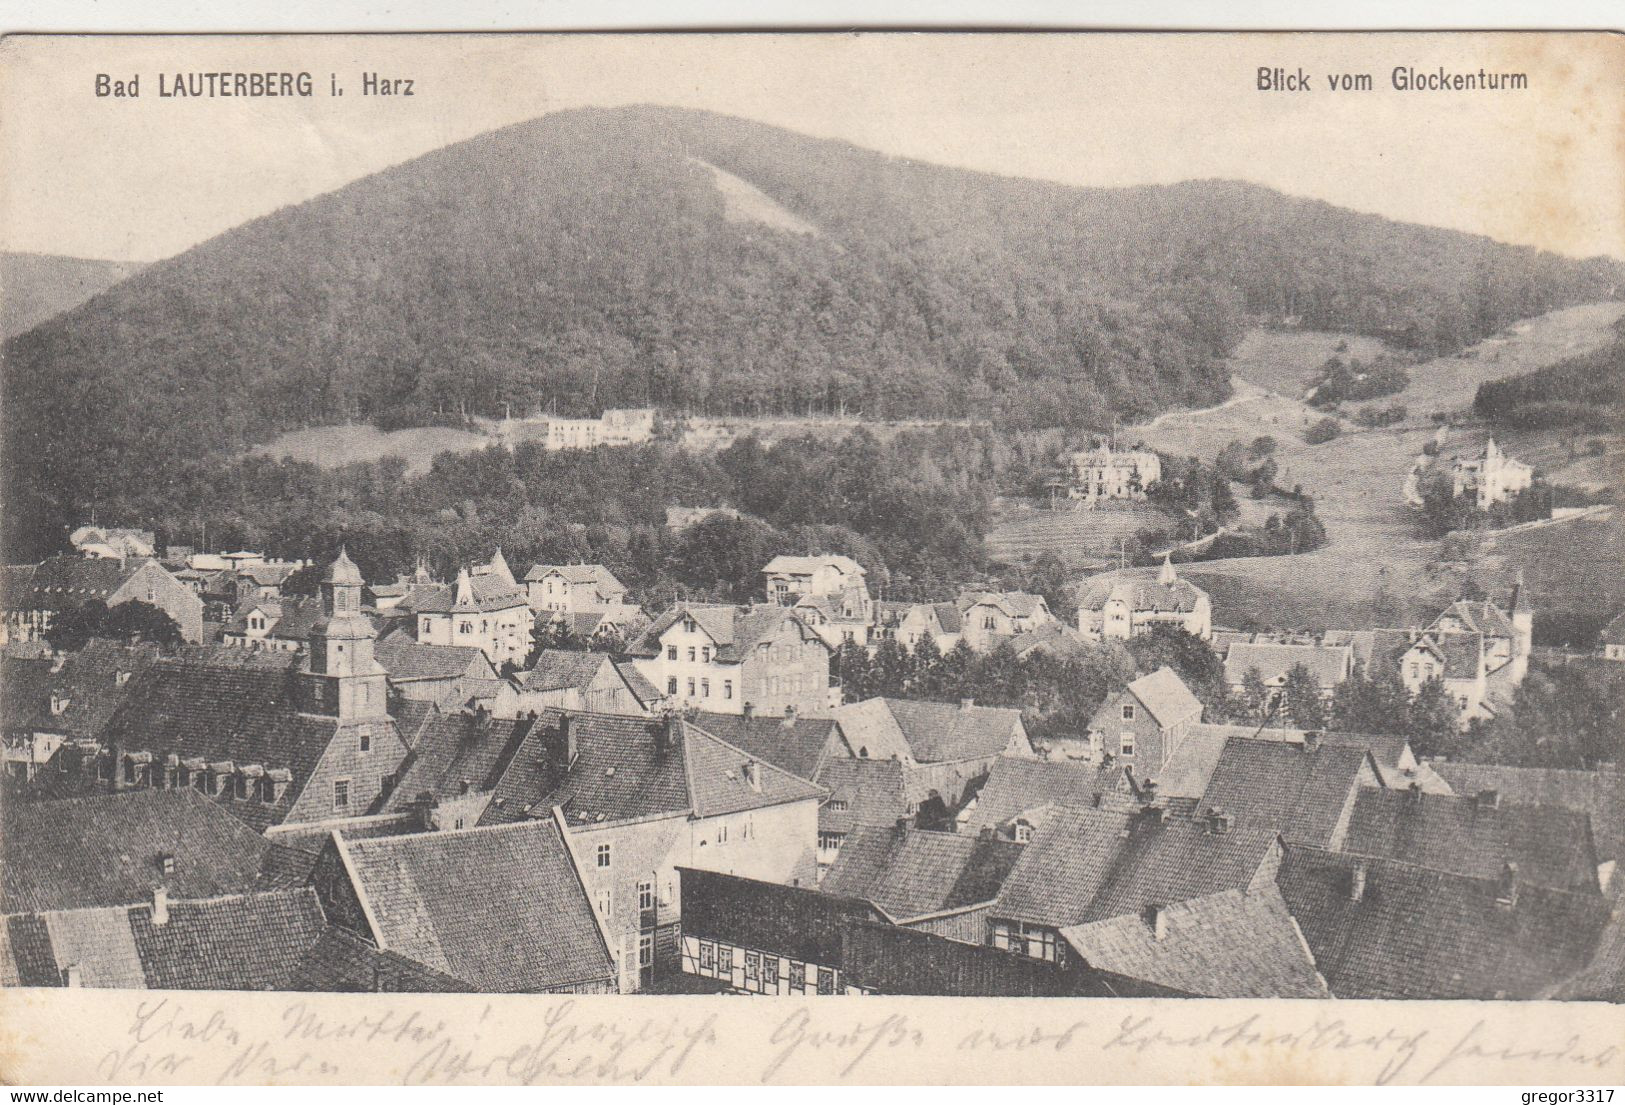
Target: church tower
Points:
(341, 678)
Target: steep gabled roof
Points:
(733, 629)
(1088, 865)
(1015, 604)
(1142, 595)
(63, 582)
(560, 669)
(795, 744)
(1016, 785)
(340, 961)
(928, 732)
(577, 573)
(487, 593)
(457, 753)
(1478, 616)
(1475, 836)
(911, 873)
(501, 908)
(1293, 789)
(1415, 932)
(1167, 698)
(73, 853)
(25, 690)
(1328, 664)
(407, 660)
(806, 565)
(1232, 944)
(862, 793)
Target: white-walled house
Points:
(730, 659)
(1116, 608)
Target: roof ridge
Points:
(360, 887)
(751, 757)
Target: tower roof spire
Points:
(343, 570)
(1166, 576)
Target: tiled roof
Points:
(76, 852)
(1015, 785)
(1603, 978)
(1329, 665)
(226, 704)
(1462, 653)
(1470, 835)
(1478, 617)
(647, 693)
(578, 573)
(1291, 789)
(90, 687)
(558, 669)
(406, 659)
(67, 581)
(862, 793)
(501, 908)
(796, 744)
(1054, 637)
(929, 732)
(487, 593)
(1419, 933)
(268, 573)
(292, 616)
(1599, 794)
(627, 767)
(1017, 604)
(25, 689)
(1088, 865)
(1196, 754)
(341, 961)
(458, 753)
(948, 617)
(1232, 944)
(1165, 695)
(909, 873)
(1144, 595)
(237, 942)
(16, 586)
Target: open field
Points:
(334, 446)
(1282, 360)
(1374, 546)
(1078, 537)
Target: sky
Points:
(140, 179)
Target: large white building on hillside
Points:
(1117, 608)
(1490, 477)
(1105, 473)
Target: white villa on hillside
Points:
(1115, 608)
(1490, 477)
(1106, 474)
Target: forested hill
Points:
(612, 257)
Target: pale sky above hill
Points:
(145, 178)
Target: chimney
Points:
(1148, 791)
(1219, 822)
(668, 731)
(753, 775)
(1311, 741)
(966, 703)
(1157, 917)
(423, 812)
(1414, 792)
(789, 716)
(1506, 895)
(160, 906)
(902, 824)
(567, 741)
(1357, 883)
(1488, 800)
(71, 976)
(748, 711)
(166, 863)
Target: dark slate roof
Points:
(1599, 794)
(92, 683)
(342, 961)
(1479, 616)
(1196, 754)
(68, 581)
(25, 689)
(795, 744)
(501, 908)
(16, 585)
(1291, 789)
(1420, 933)
(577, 573)
(1469, 835)
(558, 669)
(406, 659)
(646, 692)
(861, 793)
(1233, 944)
(628, 767)
(930, 732)
(909, 873)
(291, 616)
(458, 753)
(226, 704)
(1088, 865)
(486, 593)
(77, 852)
(1015, 785)
(1143, 594)
(237, 942)
(1603, 978)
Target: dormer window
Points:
(120, 678)
(1128, 711)
(59, 703)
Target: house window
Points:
(753, 966)
(725, 959)
(1126, 744)
(830, 842)
(603, 903)
(671, 685)
(798, 976)
(838, 805)
(1024, 832)
(722, 833)
(1128, 711)
(705, 654)
(691, 651)
(646, 895)
(989, 622)
(1413, 671)
(465, 627)
(603, 855)
(705, 688)
(691, 688)
(727, 688)
(708, 955)
(341, 794)
(671, 652)
(826, 980)
(366, 734)
(646, 951)
(770, 971)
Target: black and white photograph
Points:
(1103, 518)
